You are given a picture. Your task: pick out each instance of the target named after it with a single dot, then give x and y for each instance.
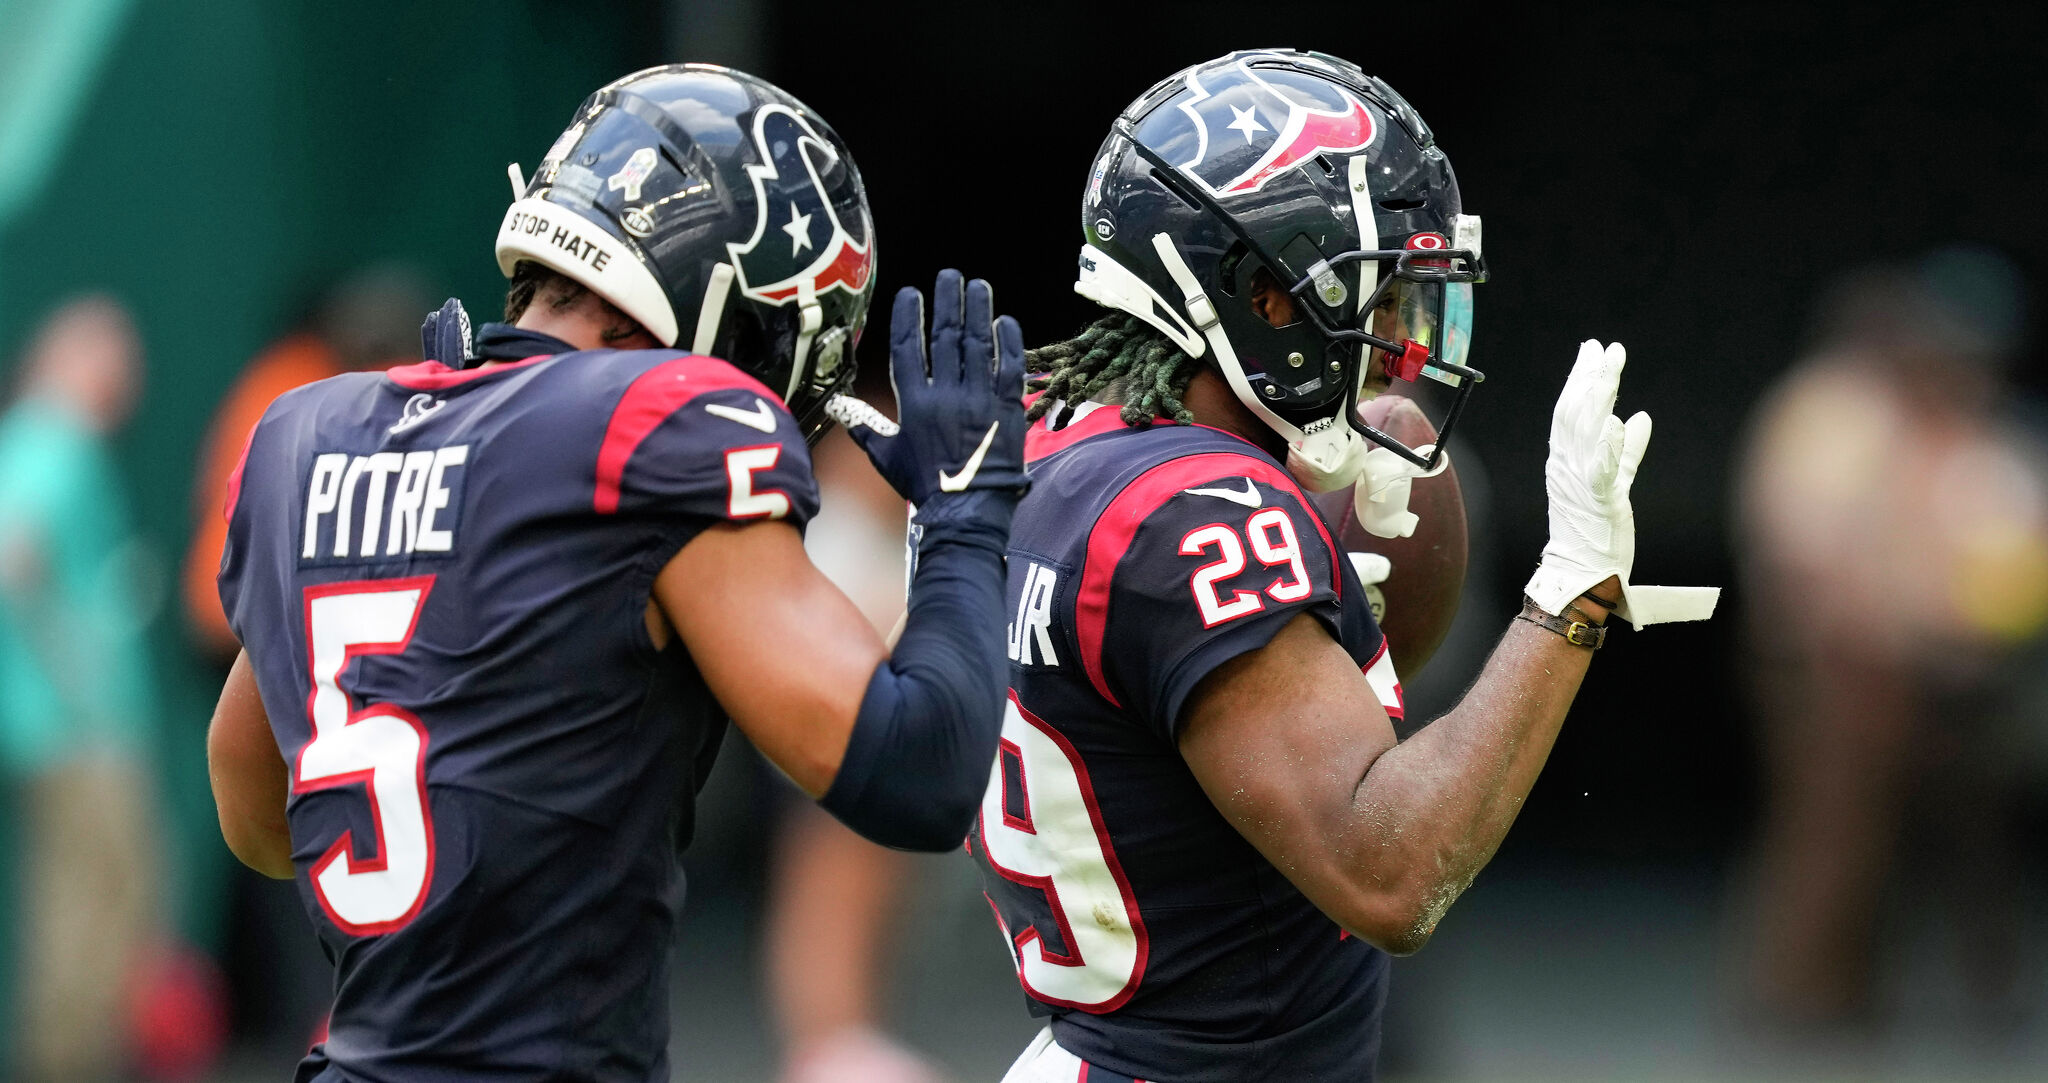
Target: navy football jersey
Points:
(441, 580)
(1161, 943)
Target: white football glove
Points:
(1593, 459)
(1373, 570)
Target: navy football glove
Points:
(917, 761)
(444, 337)
(961, 440)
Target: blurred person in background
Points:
(1894, 531)
(75, 697)
(367, 321)
(834, 897)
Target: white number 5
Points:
(381, 746)
(740, 467)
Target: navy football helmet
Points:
(1276, 170)
(718, 211)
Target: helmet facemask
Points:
(1416, 322)
(1358, 315)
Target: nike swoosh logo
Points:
(760, 417)
(1250, 497)
(953, 483)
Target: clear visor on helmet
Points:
(1434, 315)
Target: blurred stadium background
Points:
(1733, 868)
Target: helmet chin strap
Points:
(1330, 453)
(811, 316)
(1367, 223)
(712, 312)
(1327, 455)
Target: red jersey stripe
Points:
(1111, 536)
(227, 510)
(1397, 710)
(648, 401)
(435, 376)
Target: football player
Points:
(496, 607)
(1200, 835)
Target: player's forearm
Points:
(919, 755)
(1499, 736)
(1439, 803)
(927, 727)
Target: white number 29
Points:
(1058, 846)
(1273, 542)
(381, 746)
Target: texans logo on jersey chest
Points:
(797, 237)
(1253, 124)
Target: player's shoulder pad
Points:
(691, 432)
(308, 399)
(610, 374)
(296, 416)
(1200, 541)
(1211, 486)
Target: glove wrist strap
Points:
(980, 514)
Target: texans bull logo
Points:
(1252, 124)
(797, 237)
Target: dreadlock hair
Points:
(1118, 352)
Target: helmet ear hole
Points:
(741, 335)
(1271, 303)
(1226, 268)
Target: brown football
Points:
(1421, 595)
